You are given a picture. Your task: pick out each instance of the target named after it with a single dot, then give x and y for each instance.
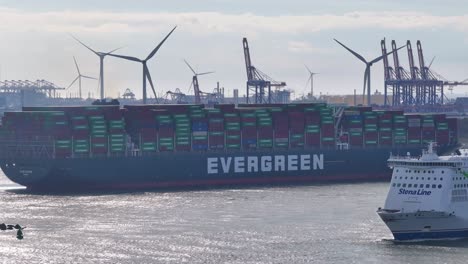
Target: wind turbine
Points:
(311, 80)
(101, 56)
(79, 77)
(196, 88)
(368, 68)
(146, 73)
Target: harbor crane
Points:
(257, 81)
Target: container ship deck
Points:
(147, 146)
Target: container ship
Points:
(152, 146)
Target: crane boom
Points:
(385, 59)
(413, 69)
(396, 61)
(248, 63)
(421, 61)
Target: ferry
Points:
(428, 196)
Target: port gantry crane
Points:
(176, 96)
(258, 81)
(419, 86)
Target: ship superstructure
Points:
(428, 196)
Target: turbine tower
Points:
(196, 88)
(311, 80)
(101, 56)
(146, 73)
(79, 77)
(367, 80)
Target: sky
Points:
(35, 41)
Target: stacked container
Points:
(428, 129)
(414, 129)
(264, 128)
(371, 136)
(98, 133)
(312, 127)
(166, 135)
(199, 134)
(182, 132)
(117, 136)
(399, 129)
(281, 129)
(249, 129)
(233, 130)
(442, 131)
(327, 127)
(354, 123)
(385, 128)
(296, 129)
(215, 129)
(80, 133)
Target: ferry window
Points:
(433, 186)
(401, 177)
(396, 170)
(411, 178)
(394, 184)
(421, 185)
(422, 178)
(417, 178)
(404, 185)
(398, 185)
(410, 185)
(441, 179)
(440, 186)
(406, 178)
(424, 171)
(428, 185)
(442, 172)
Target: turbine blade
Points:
(366, 72)
(126, 57)
(308, 69)
(76, 64)
(204, 73)
(388, 53)
(352, 51)
(190, 67)
(113, 50)
(88, 77)
(148, 76)
(190, 87)
(85, 45)
(73, 82)
(159, 45)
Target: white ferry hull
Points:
(428, 197)
(425, 225)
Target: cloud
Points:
(17, 20)
(304, 47)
